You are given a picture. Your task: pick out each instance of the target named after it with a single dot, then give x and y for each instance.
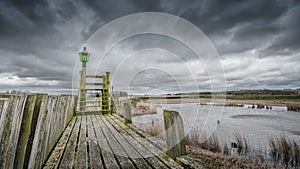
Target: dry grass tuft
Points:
(154, 128)
(217, 160)
(194, 138)
(242, 145)
(226, 149)
(285, 151)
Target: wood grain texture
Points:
(102, 141)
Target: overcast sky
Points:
(258, 42)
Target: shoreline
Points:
(224, 101)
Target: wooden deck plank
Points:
(127, 147)
(68, 157)
(108, 157)
(152, 148)
(103, 141)
(94, 149)
(57, 154)
(81, 152)
(117, 149)
(146, 154)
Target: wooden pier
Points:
(67, 131)
(97, 138)
(103, 141)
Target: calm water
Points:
(257, 125)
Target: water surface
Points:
(257, 125)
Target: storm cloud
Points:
(258, 43)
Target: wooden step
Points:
(94, 89)
(88, 111)
(91, 106)
(91, 101)
(93, 76)
(94, 84)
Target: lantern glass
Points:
(84, 55)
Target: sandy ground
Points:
(205, 101)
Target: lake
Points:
(257, 125)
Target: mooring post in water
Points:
(174, 133)
(127, 113)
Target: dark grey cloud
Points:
(288, 38)
(34, 43)
(40, 39)
(107, 10)
(245, 24)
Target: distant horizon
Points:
(75, 91)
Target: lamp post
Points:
(84, 56)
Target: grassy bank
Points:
(210, 153)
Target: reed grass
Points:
(196, 139)
(285, 151)
(242, 144)
(153, 128)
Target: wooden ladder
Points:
(95, 96)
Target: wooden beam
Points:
(127, 113)
(93, 84)
(94, 76)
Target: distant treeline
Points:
(230, 97)
(249, 92)
(264, 94)
(264, 97)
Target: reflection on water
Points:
(257, 125)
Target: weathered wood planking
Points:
(81, 152)
(150, 147)
(10, 126)
(102, 141)
(94, 148)
(116, 148)
(143, 152)
(48, 128)
(68, 157)
(57, 154)
(127, 147)
(108, 157)
(30, 127)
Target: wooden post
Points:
(82, 90)
(109, 99)
(127, 113)
(174, 133)
(105, 105)
(104, 95)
